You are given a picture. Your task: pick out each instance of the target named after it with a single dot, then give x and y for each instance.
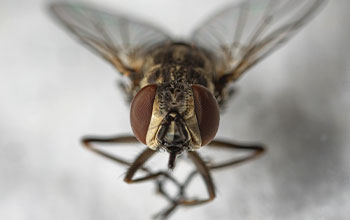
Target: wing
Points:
(242, 35)
(121, 41)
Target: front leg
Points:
(204, 169)
(89, 140)
(134, 166)
(257, 150)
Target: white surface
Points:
(53, 91)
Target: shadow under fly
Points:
(177, 88)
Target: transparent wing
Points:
(243, 34)
(121, 41)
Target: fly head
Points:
(175, 117)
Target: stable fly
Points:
(177, 88)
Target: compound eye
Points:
(207, 113)
(141, 111)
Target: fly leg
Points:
(138, 164)
(166, 213)
(181, 199)
(257, 150)
(134, 166)
(203, 169)
(174, 202)
(87, 142)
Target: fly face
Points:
(174, 116)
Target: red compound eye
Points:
(207, 112)
(141, 111)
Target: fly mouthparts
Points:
(172, 158)
(173, 152)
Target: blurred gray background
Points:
(53, 91)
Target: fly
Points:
(177, 88)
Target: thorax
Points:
(178, 63)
